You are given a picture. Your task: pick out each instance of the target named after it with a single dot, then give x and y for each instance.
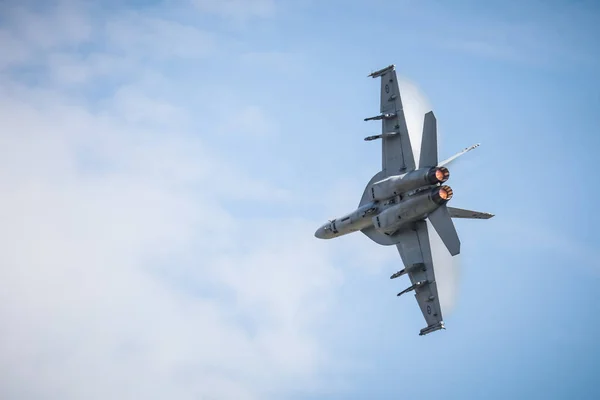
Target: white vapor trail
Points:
(447, 268)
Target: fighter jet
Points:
(399, 199)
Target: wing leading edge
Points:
(415, 250)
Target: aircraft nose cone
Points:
(320, 233)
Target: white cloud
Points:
(288, 62)
(126, 273)
(28, 35)
(67, 68)
(61, 26)
(136, 264)
(248, 121)
(534, 38)
(13, 51)
(139, 107)
(515, 235)
(129, 278)
(150, 38)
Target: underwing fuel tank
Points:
(397, 184)
(413, 208)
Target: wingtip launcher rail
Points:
(382, 71)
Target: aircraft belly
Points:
(395, 216)
(356, 220)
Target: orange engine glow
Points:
(439, 175)
(446, 192)
(443, 194)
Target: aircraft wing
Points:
(397, 154)
(415, 250)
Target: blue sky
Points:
(165, 164)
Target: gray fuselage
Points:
(390, 215)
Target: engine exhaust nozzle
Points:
(438, 175)
(442, 194)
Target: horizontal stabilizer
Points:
(461, 213)
(441, 221)
(454, 157)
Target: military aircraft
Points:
(398, 200)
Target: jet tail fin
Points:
(462, 213)
(429, 147)
(442, 222)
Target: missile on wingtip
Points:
(454, 157)
(382, 71)
(432, 328)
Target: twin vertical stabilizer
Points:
(429, 146)
(440, 218)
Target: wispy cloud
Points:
(271, 60)
(126, 272)
(90, 246)
(149, 38)
(529, 33)
(28, 35)
(518, 236)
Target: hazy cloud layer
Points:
(138, 261)
(124, 274)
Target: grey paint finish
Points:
(442, 222)
(397, 184)
(414, 249)
(429, 146)
(366, 196)
(397, 154)
(461, 213)
(399, 199)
